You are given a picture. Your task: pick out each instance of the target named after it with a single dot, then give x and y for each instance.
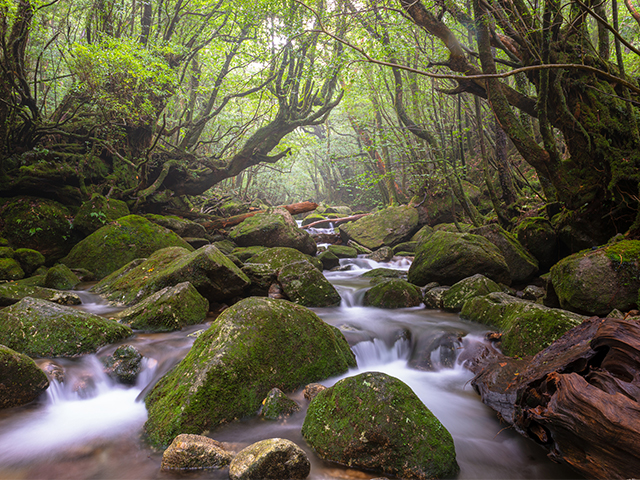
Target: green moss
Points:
(474, 286)
(98, 212)
(277, 405)
(305, 285)
(245, 253)
(6, 252)
(10, 269)
(393, 293)
(13, 292)
(387, 227)
(60, 277)
(342, 251)
(22, 380)
(279, 257)
(30, 260)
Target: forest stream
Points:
(97, 434)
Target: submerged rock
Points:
(376, 422)
(274, 458)
(387, 227)
(277, 405)
(255, 345)
(21, 381)
(195, 452)
(124, 365)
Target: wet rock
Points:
(10, 269)
(382, 254)
(275, 458)
(276, 228)
(124, 364)
(277, 405)
(279, 257)
(98, 212)
(394, 293)
(316, 217)
(21, 380)
(167, 310)
(60, 277)
(255, 345)
(11, 293)
(433, 298)
(382, 274)
(113, 246)
(376, 422)
(262, 278)
(387, 227)
(304, 284)
(39, 328)
(30, 260)
(362, 250)
(276, 291)
(436, 352)
(183, 227)
(195, 452)
(538, 236)
(329, 260)
(311, 390)
(343, 251)
(53, 371)
(449, 257)
(474, 286)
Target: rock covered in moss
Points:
(30, 260)
(255, 345)
(376, 422)
(275, 228)
(39, 328)
(181, 226)
(10, 269)
(21, 380)
(384, 274)
(279, 257)
(527, 327)
(405, 247)
(343, 251)
(98, 212)
(124, 364)
(476, 285)
(277, 405)
(329, 260)
(305, 285)
(167, 310)
(387, 227)
(394, 293)
(447, 258)
(382, 254)
(11, 293)
(212, 274)
(37, 223)
(316, 217)
(114, 245)
(422, 234)
(537, 235)
(522, 265)
(595, 281)
(245, 253)
(60, 277)
(195, 452)
(362, 250)
(6, 252)
(433, 296)
(274, 459)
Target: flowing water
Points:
(87, 427)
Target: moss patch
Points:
(22, 380)
(393, 293)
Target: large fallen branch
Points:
(293, 209)
(335, 221)
(578, 397)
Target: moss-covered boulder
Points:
(30, 260)
(277, 405)
(98, 212)
(380, 274)
(195, 452)
(116, 244)
(329, 260)
(277, 258)
(181, 226)
(477, 285)
(341, 210)
(527, 327)
(272, 459)
(245, 253)
(21, 381)
(10, 269)
(433, 296)
(261, 276)
(422, 234)
(343, 251)
(39, 328)
(315, 217)
(38, 224)
(537, 235)
(382, 254)
(387, 227)
(60, 277)
(305, 285)
(447, 258)
(11, 293)
(522, 265)
(124, 365)
(255, 345)
(596, 281)
(212, 274)
(361, 249)
(405, 247)
(394, 293)
(275, 228)
(167, 310)
(375, 422)
(7, 252)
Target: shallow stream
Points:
(90, 428)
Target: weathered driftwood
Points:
(293, 209)
(335, 221)
(578, 397)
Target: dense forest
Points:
(500, 107)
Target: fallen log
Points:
(335, 221)
(578, 397)
(293, 209)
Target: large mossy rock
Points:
(116, 244)
(526, 327)
(477, 285)
(38, 224)
(522, 265)
(30, 260)
(60, 277)
(447, 258)
(211, 272)
(10, 269)
(98, 212)
(305, 285)
(596, 281)
(253, 346)
(376, 422)
(39, 328)
(21, 381)
(11, 293)
(195, 452)
(387, 227)
(166, 310)
(181, 226)
(277, 258)
(537, 235)
(271, 459)
(393, 293)
(275, 228)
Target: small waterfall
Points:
(376, 352)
